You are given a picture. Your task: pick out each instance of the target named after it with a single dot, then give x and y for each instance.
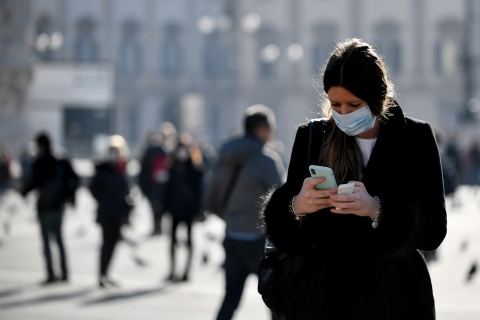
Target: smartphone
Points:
(327, 173)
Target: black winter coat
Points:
(351, 270)
(55, 177)
(183, 191)
(110, 188)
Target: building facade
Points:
(200, 63)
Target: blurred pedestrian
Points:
(451, 176)
(153, 177)
(27, 157)
(183, 197)
(473, 158)
(56, 183)
(453, 153)
(109, 186)
(245, 171)
(5, 171)
(358, 255)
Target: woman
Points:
(362, 253)
(182, 198)
(109, 187)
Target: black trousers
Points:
(154, 197)
(242, 258)
(110, 237)
(51, 228)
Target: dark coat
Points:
(183, 191)
(52, 177)
(146, 181)
(110, 188)
(351, 270)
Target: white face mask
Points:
(356, 122)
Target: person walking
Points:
(183, 198)
(5, 172)
(361, 252)
(109, 187)
(154, 170)
(473, 159)
(56, 183)
(452, 151)
(245, 171)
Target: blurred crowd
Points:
(460, 166)
(179, 176)
(174, 171)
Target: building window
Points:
(171, 53)
(268, 53)
(86, 48)
(42, 41)
(130, 50)
(324, 43)
(215, 61)
(387, 36)
(447, 47)
(134, 124)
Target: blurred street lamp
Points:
(295, 52)
(207, 25)
(53, 42)
(474, 105)
(251, 22)
(270, 53)
(56, 40)
(42, 43)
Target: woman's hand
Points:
(311, 200)
(359, 202)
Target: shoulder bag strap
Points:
(231, 185)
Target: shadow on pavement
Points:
(17, 290)
(125, 295)
(45, 299)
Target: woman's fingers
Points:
(345, 197)
(343, 205)
(314, 181)
(357, 184)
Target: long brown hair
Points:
(355, 66)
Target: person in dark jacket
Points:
(154, 170)
(56, 182)
(183, 196)
(5, 174)
(362, 252)
(246, 169)
(109, 187)
(473, 158)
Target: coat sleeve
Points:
(280, 225)
(415, 217)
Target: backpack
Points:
(278, 271)
(60, 188)
(217, 203)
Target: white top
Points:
(366, 147)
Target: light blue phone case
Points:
(327, 173)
